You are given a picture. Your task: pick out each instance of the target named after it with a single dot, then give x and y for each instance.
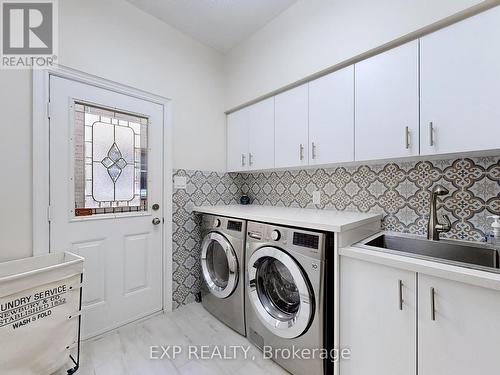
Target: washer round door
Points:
(219, 265)
(279, 292)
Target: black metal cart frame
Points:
(77, 361)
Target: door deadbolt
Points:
(156, 207)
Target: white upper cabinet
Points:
(261, 135)
(436, 95)
(458, 327)
(250, 137)
(237, 141)
(291, 118)
(331, 118)
(460, 86)
(387, 104)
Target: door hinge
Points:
(49, 110)
(49, 214)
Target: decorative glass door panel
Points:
(106, 160)
(110, 161)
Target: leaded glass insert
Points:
(110, 161)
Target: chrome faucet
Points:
(434, 227)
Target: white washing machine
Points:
(285, 298)
(222, 264)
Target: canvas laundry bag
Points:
(39, 313)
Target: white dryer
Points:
(222, 264)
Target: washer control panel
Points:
(275, 235)
(304, 241)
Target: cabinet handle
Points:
(407, 137)
(250, 157)
(313, 150)
(301, 151)
(400, 288)
(431, 134)
(242, 160)
(433, 304)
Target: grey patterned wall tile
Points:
(399, 191)
(203, 188)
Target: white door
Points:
(331, 118)
(105, 182)
(261, 135)
(460, 86)
(458, 327)
(377, 319)
(291, 118)
(387, 110)
(237, 141)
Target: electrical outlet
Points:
(316, 197)
(180, 182)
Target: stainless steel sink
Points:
(474, 255)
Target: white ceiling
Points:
(220, 24)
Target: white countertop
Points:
(307, 218)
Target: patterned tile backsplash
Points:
(400, 191)
(203, 188)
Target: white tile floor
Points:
(127, 350)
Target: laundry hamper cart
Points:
(40, 303)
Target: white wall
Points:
(114, 40)
(15, 183)
(315, 34)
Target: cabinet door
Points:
(387, 109)
(291, 119)
(463, 338)
(379, 331)
(331, 118)
(460, 86)
(237, 141)
(261, 135)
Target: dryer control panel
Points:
(304, 241)
(234, 225)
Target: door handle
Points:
(400, 289)
(250, 157)
(156, 221)
(301, 151)
(431, 134)
(313, 150)
(407, 137)
(433, 304)
(242, 160)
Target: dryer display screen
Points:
(234, 225)
(306, 240)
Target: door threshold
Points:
(136, 320)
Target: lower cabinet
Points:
(458, 324)
(377, 319)
(458, 328)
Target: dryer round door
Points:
(219, 265)
(279, 292)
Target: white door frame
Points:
(41, 166)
